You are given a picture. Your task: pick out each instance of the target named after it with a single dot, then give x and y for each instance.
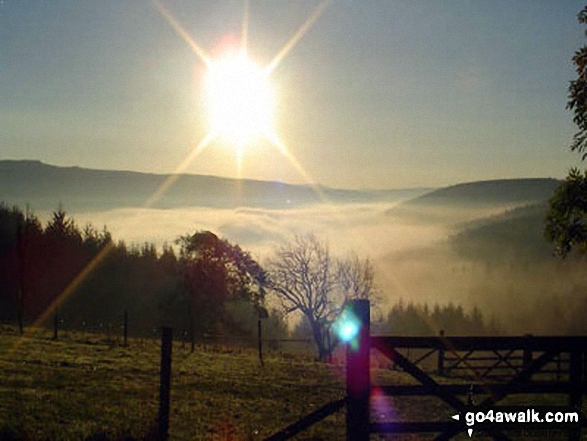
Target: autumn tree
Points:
(214, 271)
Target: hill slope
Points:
(473, 200)
(46, 186)
(515, 235)
(494, 192)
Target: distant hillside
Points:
(46, 186)
(496, 192)
(516, 235)
(464, 202)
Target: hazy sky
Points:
(377, 94)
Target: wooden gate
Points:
(530, 376)
(537, 352)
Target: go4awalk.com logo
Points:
(519, 418)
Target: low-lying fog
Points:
(415, 257)
(362, 228)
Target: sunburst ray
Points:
(103, 253)
(73, 285)
(182, 32)
(302, 30)
(205, 142)
(173, 177)
(272, 137)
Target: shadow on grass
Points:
(9, 434)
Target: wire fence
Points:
(121, 332)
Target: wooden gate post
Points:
(165, 384)
(358, 377)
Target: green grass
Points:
(80, 386)
(76, 387)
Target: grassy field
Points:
(81, 386)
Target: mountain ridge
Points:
(455, 204)
(46, 186)
(487, 191)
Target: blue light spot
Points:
(347, 327)
(348, 331)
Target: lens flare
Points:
(347, 326)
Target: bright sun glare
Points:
(240, 104)
(239, 98)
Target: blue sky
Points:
(377, 94)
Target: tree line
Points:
(82, 275)
(421, 320)
(40, 263)
(207, 286)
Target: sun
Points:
(239, 98)
(238, 95)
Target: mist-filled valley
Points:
(474, 248)
(313, 220)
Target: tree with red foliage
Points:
(214, 272)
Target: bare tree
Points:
(357, 278)
(306, 279)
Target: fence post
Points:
(192, 334)
(165, 384)
(260, 341)
(20, 233)
(55, 326)
(440, 364)
(125, 328)
(358, 376)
